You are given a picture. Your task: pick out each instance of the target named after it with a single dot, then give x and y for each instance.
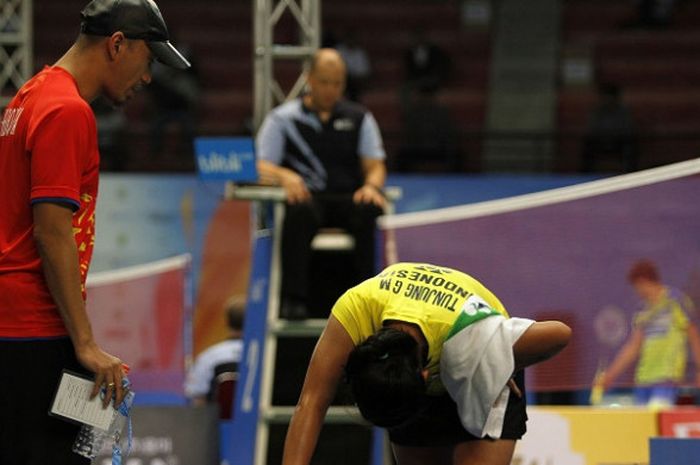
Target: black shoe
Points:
(293, 309)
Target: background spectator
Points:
(429, 139)
(328, 155)
(175, 95)
(661, 334)
(224, 356)
(611, 132)
(654, 13)
(357, 63)
(427, 65)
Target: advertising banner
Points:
(138, 314)
(170, 435)
(229, 158)
(244, 426)
(586, 436)
(680, 423)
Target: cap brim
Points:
(168, 55)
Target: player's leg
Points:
(436, 435)
(28, 435)
(360, 221)
(484, 452)
(407, 455)
(480, 452)
(362, 226)
(301, 221)
(430, 437)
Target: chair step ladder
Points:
(254, 412)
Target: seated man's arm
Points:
(374, 171)
(293, 184)
(270, 148)
(372, 156)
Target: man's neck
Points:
(84, 70)
(323, 115)
(658, 294)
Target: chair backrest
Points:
(224, 388)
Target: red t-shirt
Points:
(48, 153)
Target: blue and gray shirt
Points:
(327, 155)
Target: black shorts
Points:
(439, 424)
(29, 374)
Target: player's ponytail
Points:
(384, 373)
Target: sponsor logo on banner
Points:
(225, 158)
(687, 430)
(547, 442)
(170, 435)
(586, 436)
(245, 418)
(680, 423)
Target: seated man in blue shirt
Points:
(224, 356)
(327, 154)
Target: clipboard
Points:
(72, 402)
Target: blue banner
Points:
(225, 158)
(245, 409)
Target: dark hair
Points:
(235, 312)
(384, 373)
(643, 269)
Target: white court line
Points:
(538, 199)
(102, 278)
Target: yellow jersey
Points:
(429, 296)
(664, 354)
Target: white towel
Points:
(475, 366)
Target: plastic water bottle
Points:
(91, 440)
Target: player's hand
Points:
(295, 188)
(601, 383)
(108, 372)
(605, 381)
(514, 388)
(369, 194)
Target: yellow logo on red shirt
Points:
(84, 233)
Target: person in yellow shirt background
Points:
(662, 333)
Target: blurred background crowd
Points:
(457, 86)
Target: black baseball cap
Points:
(137, 19)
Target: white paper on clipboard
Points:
(73, 401)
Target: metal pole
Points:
(266, 15)
(16, 48)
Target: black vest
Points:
(335, 146)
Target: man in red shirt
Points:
(49, 163)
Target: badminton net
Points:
(141, 315)
(564, 254)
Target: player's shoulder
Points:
(675, 294)
(64, 105)
(223, 347)
(73, 108)
(57, 85)
(53, 92)
(291, 109)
